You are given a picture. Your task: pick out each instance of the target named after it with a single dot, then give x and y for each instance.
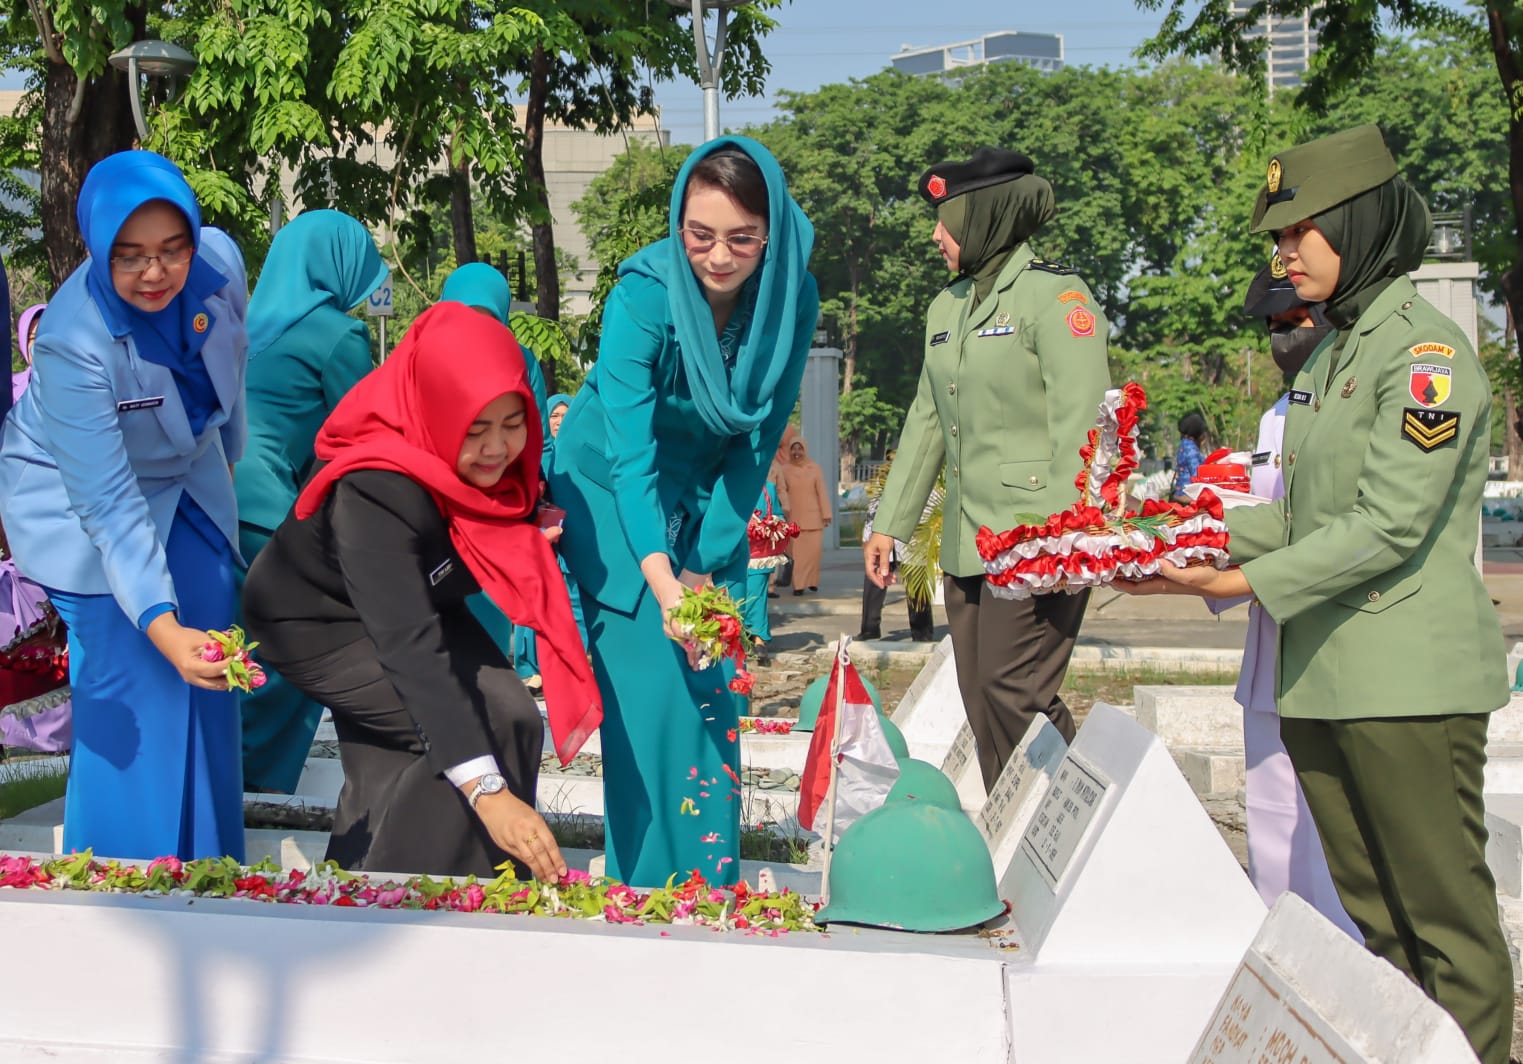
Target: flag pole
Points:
(835, 738)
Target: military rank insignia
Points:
(1429, 429)
(1428, 384)
(1275, 175)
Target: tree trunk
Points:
(103, 125)
(461, 216)
(547, 278)
(1506, 56)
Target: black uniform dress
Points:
(362, 607)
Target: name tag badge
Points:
(1262, 457)
(940, 338)
(148, 403)
(1001, 330)
(440, 572)
(1300, 398)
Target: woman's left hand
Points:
(552, 534)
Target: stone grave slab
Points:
(1305, 992)
(931, 712)
(1022, 785)
(1204, 715)
(220, 980)
(961, 767)
(1119, 862)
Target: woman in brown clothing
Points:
(808, 506)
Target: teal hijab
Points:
(478, 284)
(732, 403)
(318, 259)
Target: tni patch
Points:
(1429, 429)
(1429, 384)
(1081, 322)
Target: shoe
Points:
(772, 594)
(798, 591)
(813, 588)
(535, 685)
(759, 653)
(865, 634)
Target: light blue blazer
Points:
(94, 457)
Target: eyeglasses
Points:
(139, 263)
(741, 245)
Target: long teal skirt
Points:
(155, 768)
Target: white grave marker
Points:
(1020, 788)
(1307, 993)
(1121, 864)
(931, 712)
(961, 767)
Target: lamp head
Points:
(157, 59)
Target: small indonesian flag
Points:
(866, 766)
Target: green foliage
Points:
(865, 420)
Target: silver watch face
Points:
(491, 783)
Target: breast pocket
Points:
(1025, 476)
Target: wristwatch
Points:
(490, 783)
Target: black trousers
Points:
(396, 812)
(922, 623)
(1012, 655)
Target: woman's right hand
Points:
(181, 647)
(519, 829)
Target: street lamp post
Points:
(710, 65)
(157, 59)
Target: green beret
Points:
(1306, 180)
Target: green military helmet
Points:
(923, 781)
(814, 694)
(1304, 181)
(894, 736)
(913, 866)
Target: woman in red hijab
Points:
(426, 494)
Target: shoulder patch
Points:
(1431, 348)
(1429, 429)
(1072, 296)
(1081, 322)
(1052, 267)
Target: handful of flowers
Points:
(231, 648)
(710, 622)
(1097, 540)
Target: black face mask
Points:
(1292, 345)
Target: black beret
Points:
(1271, 292)
(989, 166)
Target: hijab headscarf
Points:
(558, 399)
(172, 336)
(735, 402)
(1380, 234)
(21, 379)
(990, 223)
(318, 259)
(411, 416)
(480, 284)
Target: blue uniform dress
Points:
(305, 353)
(665, 449)
(115, 494)
(481, 285)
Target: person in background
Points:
(1015, 367)
(922, 622)
(808, 507)
(116, 493)
(6, 392)
(751, 592)
(426, 493)
(1368, 566)
(782, 574)
(659, 464)
(1192, 446)
(305, 353)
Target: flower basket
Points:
(1098, 540)
(769, 536)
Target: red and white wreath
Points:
(1097, 540)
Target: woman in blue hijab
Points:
(659, 464)
(305, 353)
(116, 493)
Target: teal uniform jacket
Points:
(1008, 393)
(1368, 562)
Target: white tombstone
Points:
(1305, 992)
(961, 767)
(931, 712)
(1190, 715)
(1120, 860)
(1022, 784)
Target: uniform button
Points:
(954, 430)
(1375, 595)
(1033, 480)
(1287, 515)
(1316, 407)
(955, 471)
(951, 389)
(1291, 460)
(1406, 306)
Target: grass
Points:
(1083, 689)
(29, 784)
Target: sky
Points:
(821, 42)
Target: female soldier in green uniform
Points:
(1391, 655)
(1014, 371)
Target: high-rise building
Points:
(1041, 50)
(1292, 43)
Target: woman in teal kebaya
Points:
(658, 465)
(305, 353)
